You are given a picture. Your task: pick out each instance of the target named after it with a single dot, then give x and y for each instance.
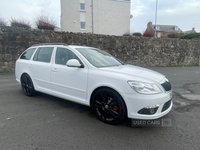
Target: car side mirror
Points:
(73, 63)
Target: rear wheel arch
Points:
(27, 85)
(23, 75)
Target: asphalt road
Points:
(44, 122)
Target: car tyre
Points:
(109, 106)
(27, 85)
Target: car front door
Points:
(68, 82)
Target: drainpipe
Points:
(156, 18)
(92, 16)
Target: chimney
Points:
(193, 28)
(149, 24)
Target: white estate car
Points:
(94, 78)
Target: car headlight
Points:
(144, 88)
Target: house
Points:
(161, 30)
(110, 17)
(190, 31)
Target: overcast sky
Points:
(183, 13)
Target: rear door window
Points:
(43, 54)
(27, 54)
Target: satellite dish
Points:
(131, 16)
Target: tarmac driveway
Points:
(45, 122)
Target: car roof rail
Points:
(40, 44)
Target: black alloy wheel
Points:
(27, 85)
(109, 106)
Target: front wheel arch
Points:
(98, 88)
(104, 87)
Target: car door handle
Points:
(30, 66)
(54, 70)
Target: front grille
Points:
(167, 86)
(166, 105)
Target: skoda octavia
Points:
(93, 77)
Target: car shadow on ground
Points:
(59, 102)
(86, 111)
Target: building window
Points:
(158, 34)
(82, 6)
(176, 28)
(83, 25)
(82, 21)
(157, 28)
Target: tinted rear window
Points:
(43, 54)
(27, 54)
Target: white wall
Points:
(70, 16)
(111, 17)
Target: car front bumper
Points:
(136, 103)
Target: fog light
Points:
(149, 110)
(153, 106)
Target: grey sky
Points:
(29, 10)
(183, 13)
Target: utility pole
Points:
(92, 16)
(156, 18)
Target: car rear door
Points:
(40, 69)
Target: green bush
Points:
(182, 35)
(191, 36)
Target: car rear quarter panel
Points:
(22, 66)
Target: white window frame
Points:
(83, 5)
(82, 20)
(81, 1)
(81, 25)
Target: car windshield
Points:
(99, 58)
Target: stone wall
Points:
(132, 50)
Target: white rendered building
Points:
(110, 17)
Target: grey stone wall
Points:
(132, 50)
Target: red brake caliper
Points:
(115, 106)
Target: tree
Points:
(45, 22)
